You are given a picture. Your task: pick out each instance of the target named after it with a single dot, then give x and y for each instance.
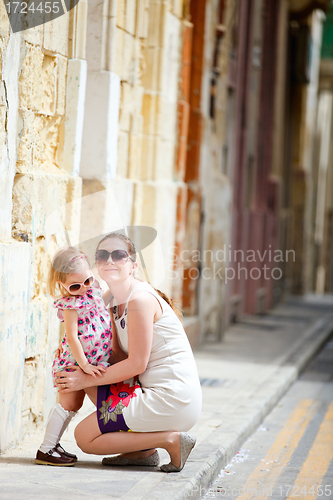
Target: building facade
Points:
(194, 126)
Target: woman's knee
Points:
(83, 437)
(86, 431)
(92, 394)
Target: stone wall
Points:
(147, 114)
(42, 97)
(130, 133)
(207, 171)
(106, 122)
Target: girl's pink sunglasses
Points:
(75, 287)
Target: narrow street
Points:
(291, 453)
(244, 379)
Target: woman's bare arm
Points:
(107, 296)
(117, 353)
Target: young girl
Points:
(87, 342)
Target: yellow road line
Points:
(316, 465)
(259, 485)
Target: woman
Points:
(161, 395)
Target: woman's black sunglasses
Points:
(117, 256)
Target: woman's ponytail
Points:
(172, 304)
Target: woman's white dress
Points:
(171, 396)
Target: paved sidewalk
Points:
(243, 377)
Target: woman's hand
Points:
(74, 380)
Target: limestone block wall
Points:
(41, 108)
(96, 106)
(130, 132)
(156, 196)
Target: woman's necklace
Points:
(121, 306)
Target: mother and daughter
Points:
(144, 381)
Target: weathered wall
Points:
(209, 182)
(319, 219)
(133, 114)
(130, 134)
(41, 104)
(304, 166)
(121, 98)
(137, 144)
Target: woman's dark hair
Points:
(132, 253)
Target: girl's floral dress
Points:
(94, 329)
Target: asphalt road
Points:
(290, 456)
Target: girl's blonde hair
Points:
(65, 261)
(132, 253)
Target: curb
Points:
(209, 458)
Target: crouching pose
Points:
(152, 387)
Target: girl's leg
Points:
(72, 401)
(72, 405)
(60, 417)
(90, 439)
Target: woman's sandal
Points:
(187, 442)
(151, 461)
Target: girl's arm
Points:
(70, 321)
(140, 316)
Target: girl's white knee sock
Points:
(56, 425)
(66, 423)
